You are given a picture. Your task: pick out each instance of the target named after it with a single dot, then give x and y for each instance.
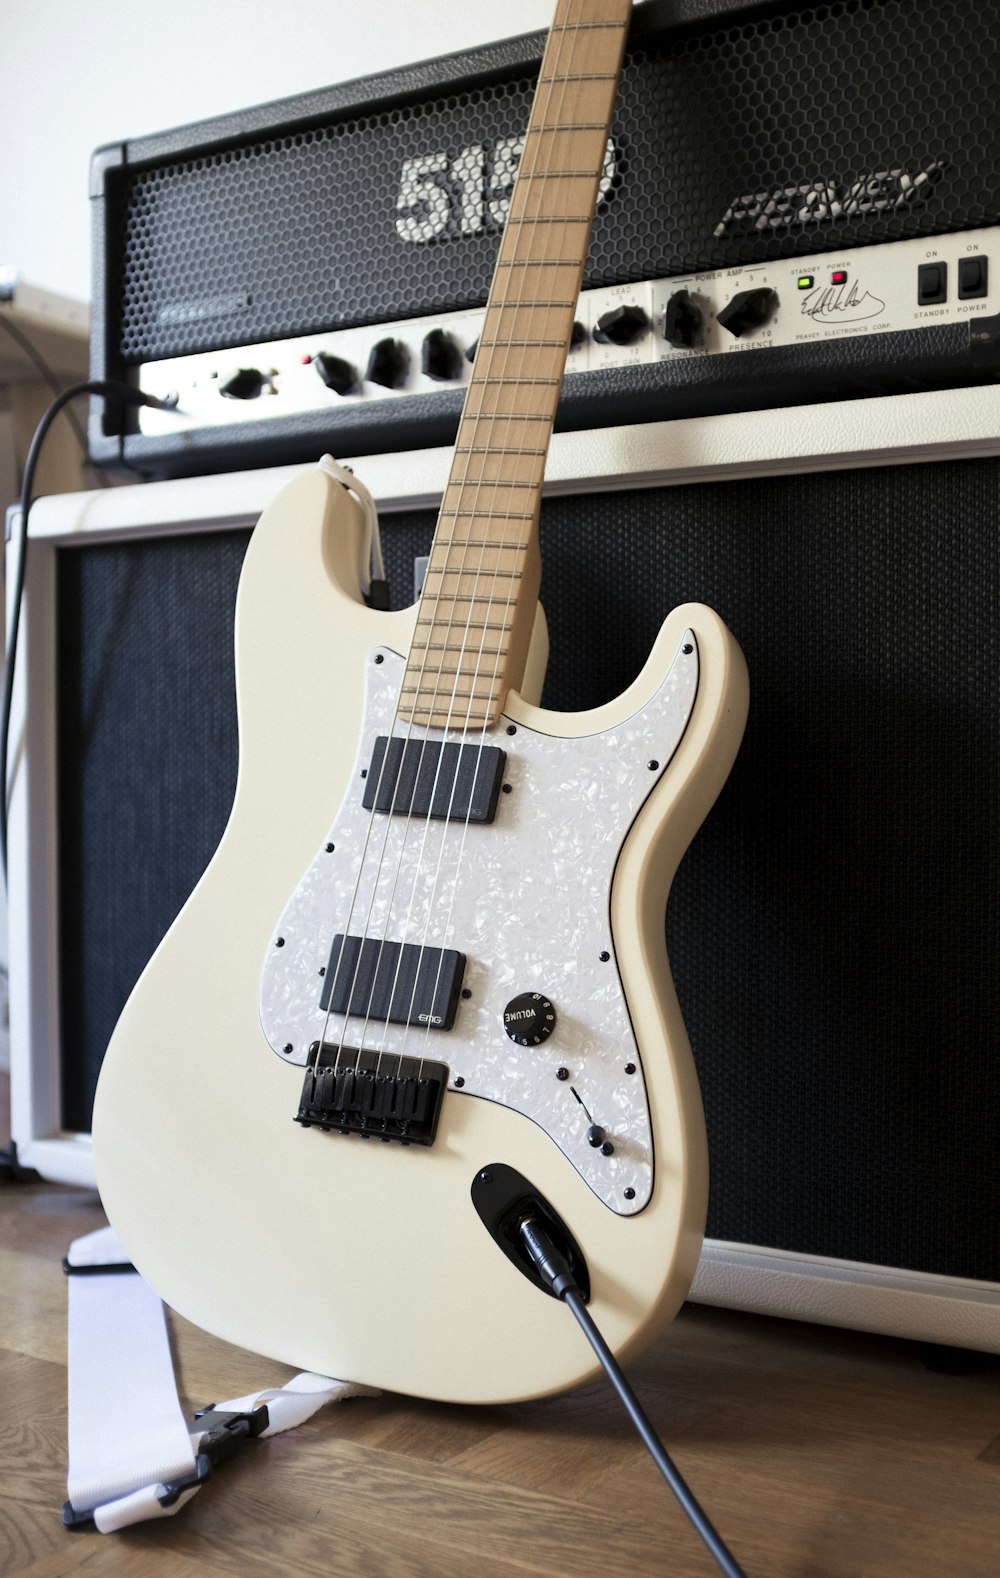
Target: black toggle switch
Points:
(440, 356)
(621, 326)
(682, 320)
(748, 310)
(932, 284)
(388, 364)
(973, 278)
(245, 384)
(337, 374)
(596, 1135)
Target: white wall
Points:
(74, 76)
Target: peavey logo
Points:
(813, 202)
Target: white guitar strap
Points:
(132, 1454)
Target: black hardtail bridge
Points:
(378, 1095)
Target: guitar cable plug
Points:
(554, 1271)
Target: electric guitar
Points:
(423, 981)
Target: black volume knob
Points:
(245, 384)
(682, 320)
(748, 310)
(337, 374)
(621, 326)
(388, 364)
(440, 357)
(529, 1018)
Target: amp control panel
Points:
(898, 286)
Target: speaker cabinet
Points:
(833, 930)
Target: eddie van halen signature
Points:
(841, 304)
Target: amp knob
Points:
(440, 356)
(337, 374)
(388, 363)
(748, 310)
(682, 320)
(244, 384)
(529, 1019)
(621, 326)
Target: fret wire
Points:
(558, 175)
(541, 263)
(458, 624)
(499, 515)
(547, 219)
(579, 76)
(448, 569)
(442, 646)
(492, 345)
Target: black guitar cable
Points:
(93, 386)
(554, 1270)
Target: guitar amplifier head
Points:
(254, 265)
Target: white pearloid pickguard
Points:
(525, 898)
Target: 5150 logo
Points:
(441, 196)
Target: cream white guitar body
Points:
(369, 1260)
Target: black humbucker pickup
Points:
(375, 1094)
(396, 982)
(445, 781)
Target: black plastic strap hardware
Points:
(114, 1268)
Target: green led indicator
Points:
(805, 281)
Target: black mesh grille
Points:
(835, 929)
(837, 125)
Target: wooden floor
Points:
(817, 1453)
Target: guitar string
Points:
(389, 828)
(438, 598)
(537, 161)
(470, 506)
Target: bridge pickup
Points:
(376, 1094)
(444, 781)
(398, 983)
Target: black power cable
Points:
(93, 386)
(554, 1270)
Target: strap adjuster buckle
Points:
(225, 1431)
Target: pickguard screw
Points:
(630, 1068)
(687, 648)
(607, 1149)
(460, 1082)
(280, 943)
(289, 1048)
(652, 766)
(511, 728)
(466, 991)
(379, 658)
(330, 848)
(605, 956)
(323, 972)
(630, 1194)
(506, 788)
(485, 1178)
(562, 1073)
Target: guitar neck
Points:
(479, 598)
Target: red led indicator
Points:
(838, 277)
(306, 360)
